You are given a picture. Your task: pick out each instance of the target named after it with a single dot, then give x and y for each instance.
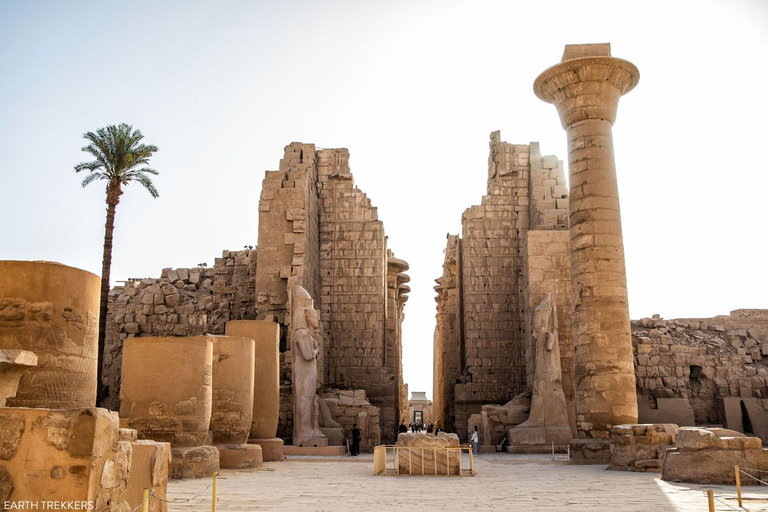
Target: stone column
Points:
(585, 87)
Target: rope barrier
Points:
(754, 469)
(185, 500)
(752, 477)
(727, 504)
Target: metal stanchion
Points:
(738, 483)
(213, 494)
(145, 500)
(711, 500)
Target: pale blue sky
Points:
(412, 88)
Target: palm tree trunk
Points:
(113, 198)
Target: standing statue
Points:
(548, 418)
(305, 347)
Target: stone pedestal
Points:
(590, 451)
(586, 87)
(166, 395)
(428, 455)
(707, 456)
(51, 310)
(537, 439)
(240, 456)
(641, 447)
(271, 449)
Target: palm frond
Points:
(148, 185)
(91, 178)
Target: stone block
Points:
(427, 454)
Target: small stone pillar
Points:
(586, 87)
(233, 402)
(166, 395)
(51, 310)
(266, 383)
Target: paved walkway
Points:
(503, 482)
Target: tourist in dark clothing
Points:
(402, 428)
(355, 440)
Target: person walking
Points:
(475, 438)
(355, 440)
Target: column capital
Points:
(586, 84)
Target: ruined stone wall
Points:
(353, 289)
(181, 302)
(704, 361)
(316, 230)
(448, 346)
(492, 282)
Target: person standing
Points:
(475, 438)
(355, 440)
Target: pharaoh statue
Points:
(305, 347)
(548, 418)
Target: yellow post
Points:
(553, 450)
(569, 454)
(738, 483)
(145, 500)
(711, 500)
(213, 494)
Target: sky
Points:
(413, 89)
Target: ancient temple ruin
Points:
(317, 231)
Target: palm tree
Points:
(120, 158)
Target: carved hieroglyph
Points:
(585, 87)
(51, 310)
(232, 409)
(166, 388)
(305, 347)
(548, 419)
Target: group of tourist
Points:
(419, 427)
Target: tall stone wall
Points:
(181, 302)
(353, 296)
(448, 341)
(487, 338)
(316, 230)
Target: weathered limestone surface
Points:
(548, 419)
(493, 277)
(266, 396)
(233, 370)
(77, 455)
(166, 395)
(51, 310)
(348, 407)
(695, 364)
(495, 420)
(182, 302)
(12, 364)
(428, 454)
(305, 347)
(641, 447)
(586, 87)
(708, 456)
(318, 231)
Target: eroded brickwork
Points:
(705, 361)
(484, 295)
(316, 230)
(181, 302)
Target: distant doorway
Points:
(418, 416)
